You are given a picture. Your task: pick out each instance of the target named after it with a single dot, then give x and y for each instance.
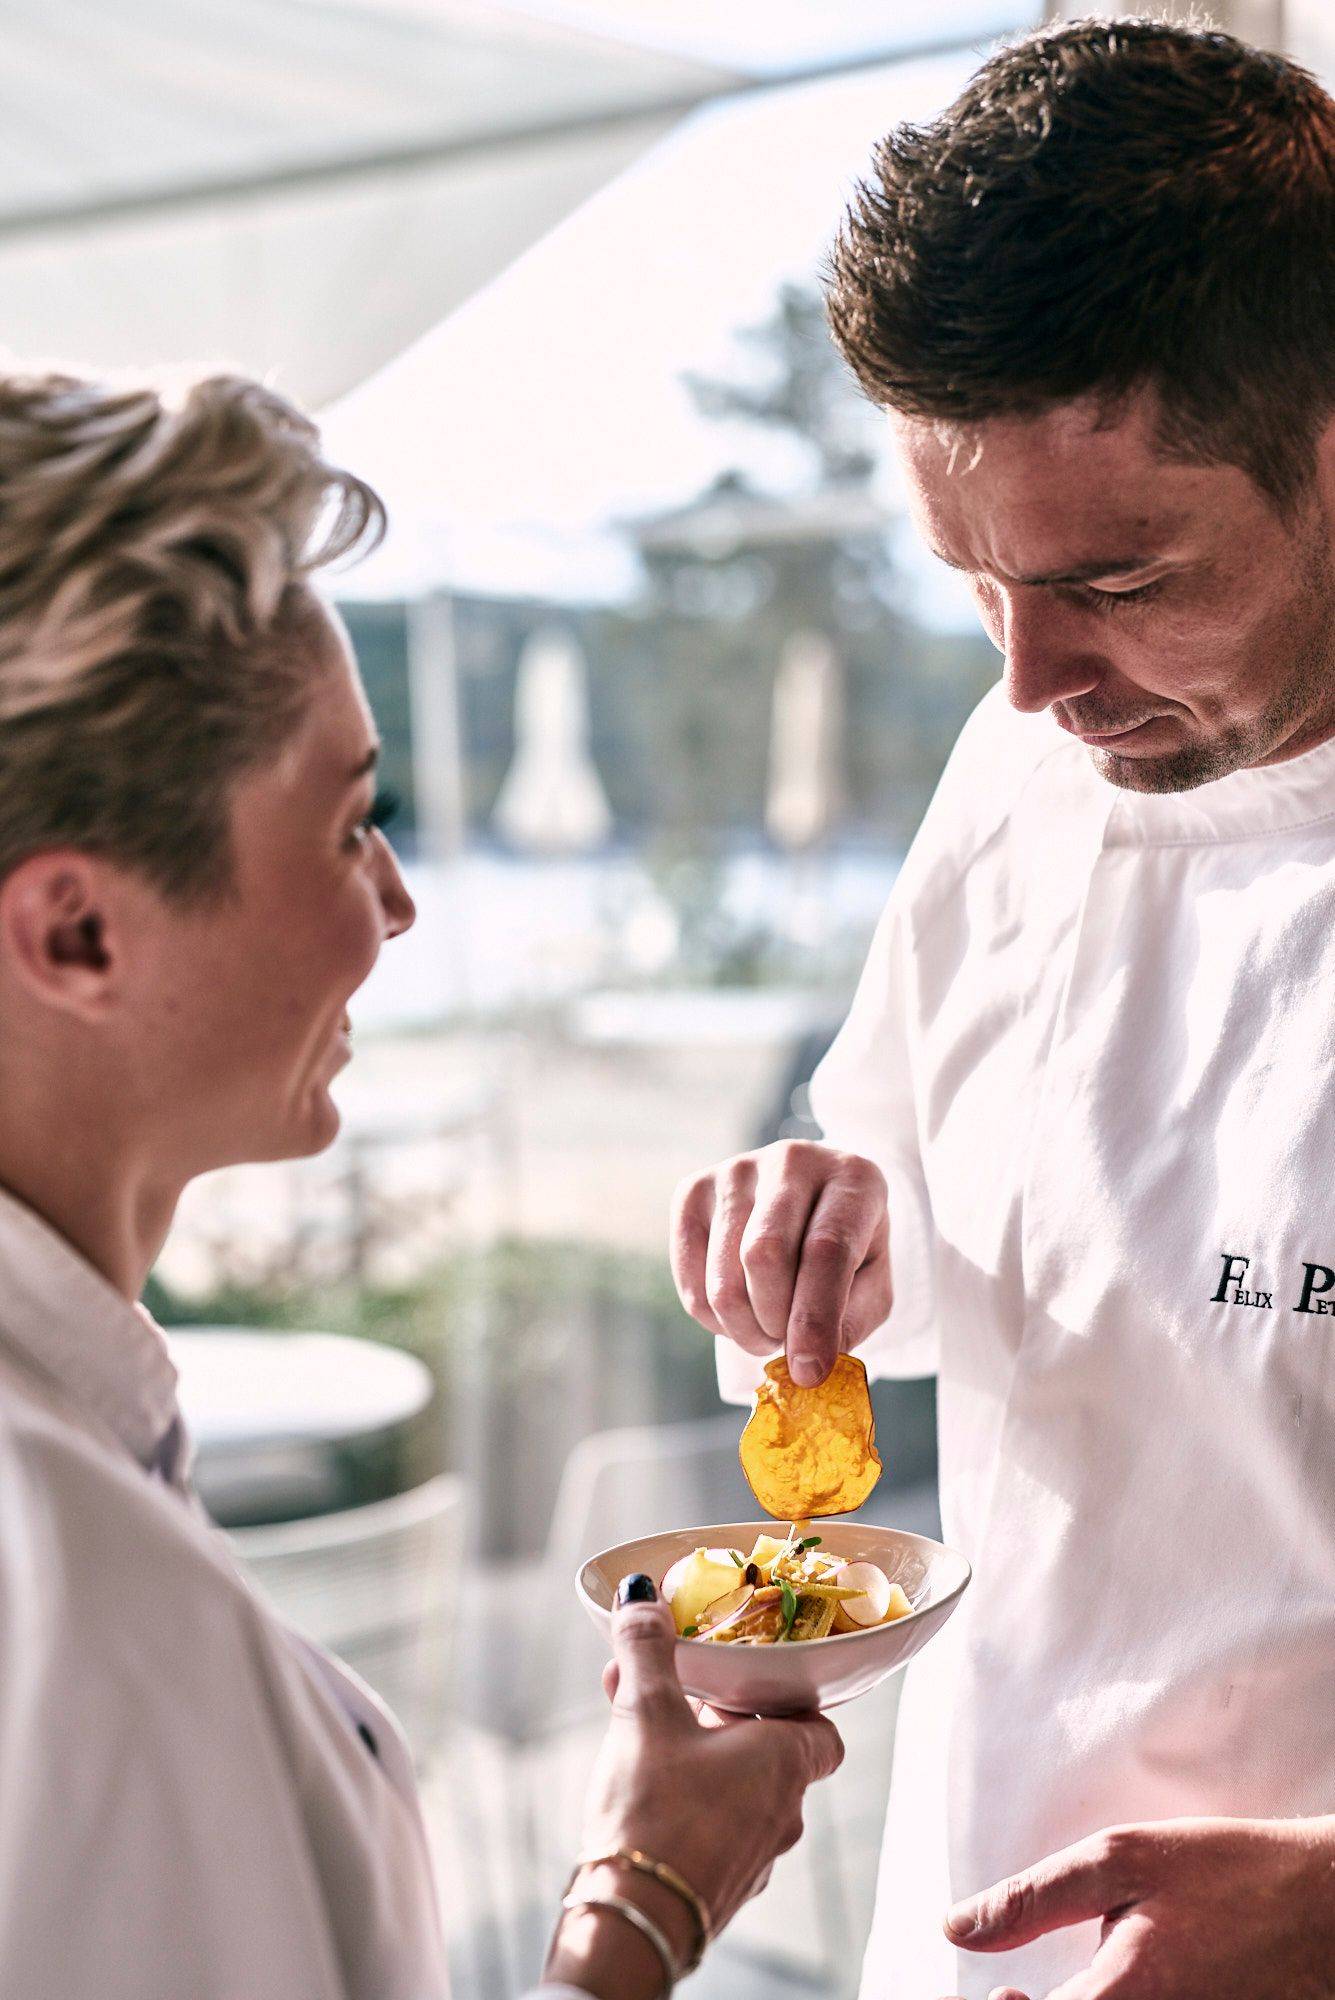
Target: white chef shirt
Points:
(1093, 1051)
(195, 1802)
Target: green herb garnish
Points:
(789, 1597)
(811, 1542)
(739, 1559)
(689, 1631)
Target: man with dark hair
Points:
(1079, 1122)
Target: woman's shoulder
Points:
(99, 1554)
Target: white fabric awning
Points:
(292, 188)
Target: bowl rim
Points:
(869, 1632)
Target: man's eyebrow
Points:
(368, 763)
(1082, 573)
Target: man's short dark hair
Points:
(1109, 205)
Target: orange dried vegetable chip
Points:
(811, 1451)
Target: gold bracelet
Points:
(669, 1877)
(633, 1915)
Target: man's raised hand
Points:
(787, 1247)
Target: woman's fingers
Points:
(816, 1742)
(644, 1639)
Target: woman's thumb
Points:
(644, 1641)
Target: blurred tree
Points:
(751, 561)
(803, 388)
(791, 536)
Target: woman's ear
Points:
(56, 930)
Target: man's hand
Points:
(789, 1246)
(1192, 1909)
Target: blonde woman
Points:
(194, 1803)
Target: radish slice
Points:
(725, 1611)
(855, 1614)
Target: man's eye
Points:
(384, 810)
(1113, 600)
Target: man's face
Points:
(1166, 614)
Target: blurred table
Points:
(291, 1425)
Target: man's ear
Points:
(56, 930)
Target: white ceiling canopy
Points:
(293, 188)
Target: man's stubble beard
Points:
(1307, 691)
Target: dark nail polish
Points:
(637, 1589)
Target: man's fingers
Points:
(644, 1639)
(788, 1184)
(847, 1228)
(870, 1299)
(688, 1247)
(725, 1277)
(788, 1246)
(1071, 1887)
(1113, 1974)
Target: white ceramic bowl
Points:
(814, 1673)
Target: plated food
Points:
(784, 1592)
(788, 1679)
(782, 1624)
(805, 1452)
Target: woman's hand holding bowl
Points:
(717, 1804)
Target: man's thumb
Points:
(644, 1640)
(1088, 1880)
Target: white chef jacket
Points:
(195, 1803)
(1093, 1051)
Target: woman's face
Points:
(244, 1007)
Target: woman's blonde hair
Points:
(155, 629)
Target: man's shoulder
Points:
(998, 755)
(999, 758)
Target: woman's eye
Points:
(384, 809)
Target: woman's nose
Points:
(399, 907)
(1048, 658)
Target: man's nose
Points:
(1048, 656)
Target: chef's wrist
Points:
(599, 1951)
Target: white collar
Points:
(1277, 798)
(68, 1321)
